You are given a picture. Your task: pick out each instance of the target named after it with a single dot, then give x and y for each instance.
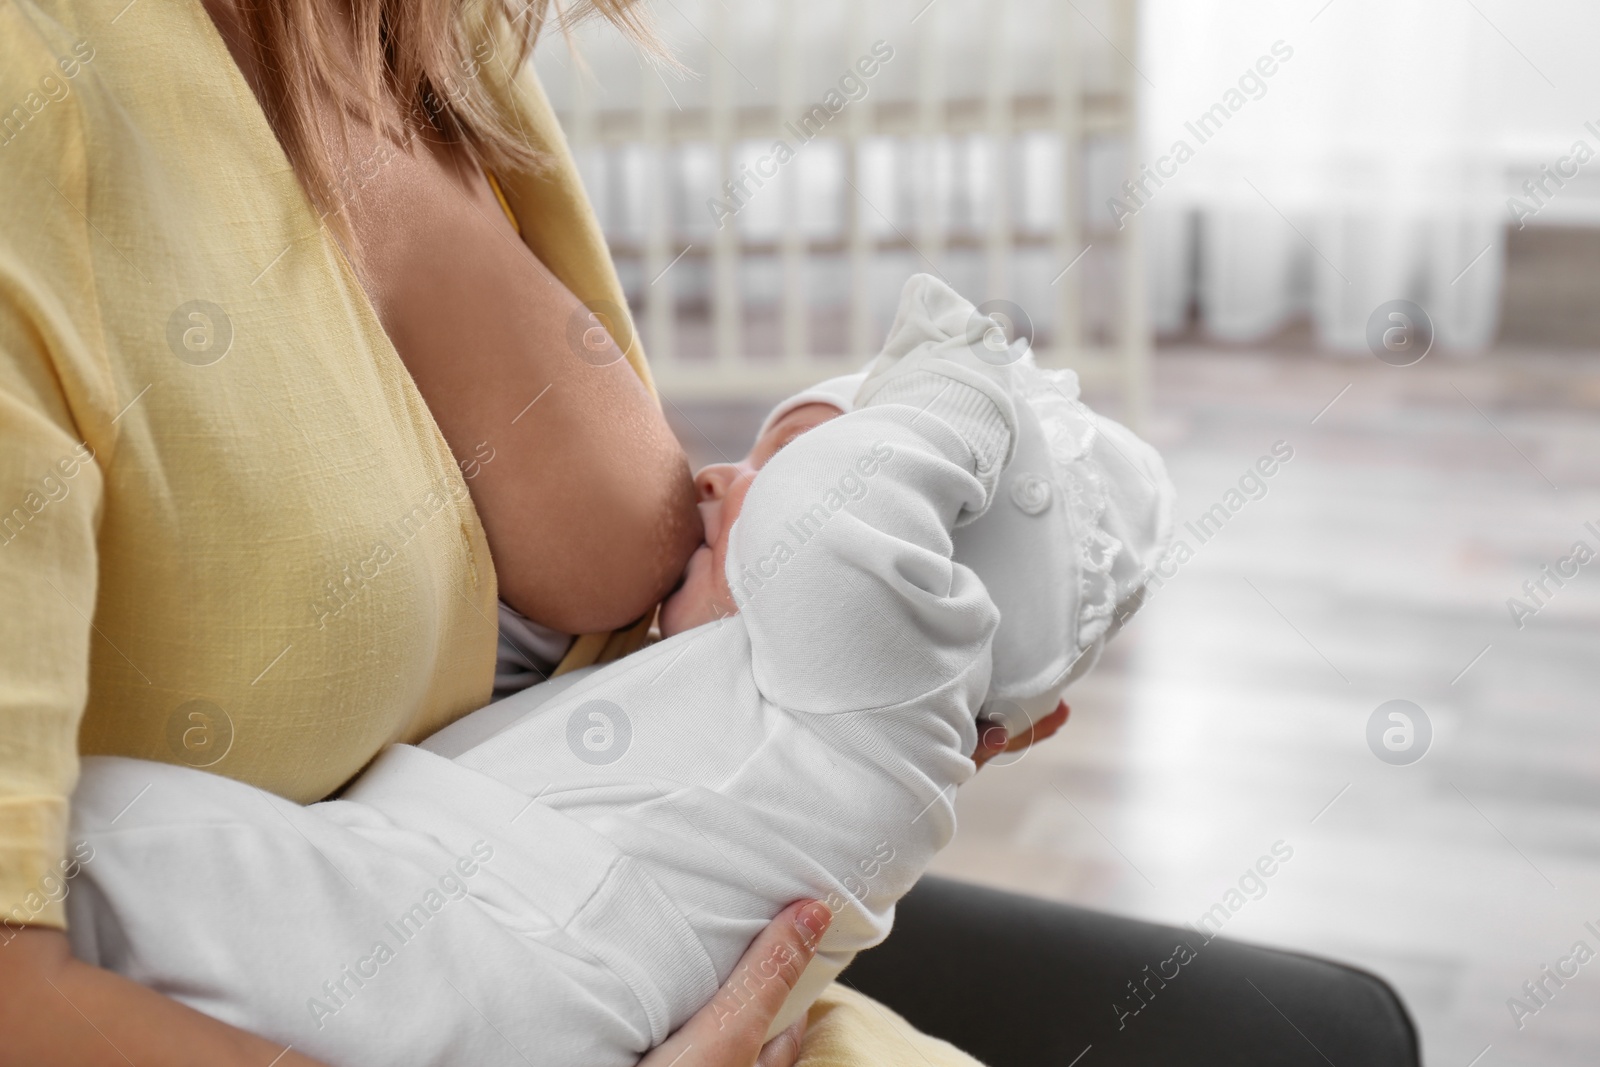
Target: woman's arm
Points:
(55, 1009)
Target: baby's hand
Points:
(936, 360)
(933, 321)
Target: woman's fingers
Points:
(992, 738)
(783, 1050)
(1045, 727)
(991, 741)
(728, 1031)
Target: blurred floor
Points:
(1231, 715)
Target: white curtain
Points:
(1354, 152)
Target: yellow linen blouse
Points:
(231, 534)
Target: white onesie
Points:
(565, 876)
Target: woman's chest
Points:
(440, 260)
(282, 533)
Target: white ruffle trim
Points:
(1070, 434)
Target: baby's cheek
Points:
(702, 597)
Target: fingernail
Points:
(812, 920)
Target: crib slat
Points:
(997, 122)
(860, 343)
(727, 306)
(931, 136)
(1133, 334)
(793, 248)
(658, 251)
(1066, 349)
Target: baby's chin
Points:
(694, 602)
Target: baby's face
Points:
(703, 596)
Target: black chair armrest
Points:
(1022, 982)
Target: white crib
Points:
(746, 290)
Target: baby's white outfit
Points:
(565, 876)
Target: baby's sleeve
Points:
(840, 562)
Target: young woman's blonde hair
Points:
(426, 61)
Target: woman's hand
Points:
(992, 736)
(727, 1032)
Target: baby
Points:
(565, 876)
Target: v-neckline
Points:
(265, 144)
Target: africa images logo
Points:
(1399, 732)
(599, 732)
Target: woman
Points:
(289, 401)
